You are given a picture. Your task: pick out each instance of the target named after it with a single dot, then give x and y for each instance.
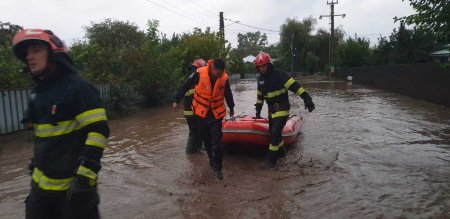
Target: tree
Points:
(298, 33)
(311, 62)
(354, 52)
(199, 44)
(251, 43)
(433, 16)
(404, 46)
(9, 64)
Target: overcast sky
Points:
(367, 18)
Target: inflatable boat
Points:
(245, 130)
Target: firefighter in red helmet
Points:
(186, 91)
(70, 128)
(273, 86)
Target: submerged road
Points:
(363, 153)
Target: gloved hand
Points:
(309, 106)
(81, 194)
(30, 167)
(231, 112)
(175, 106)
(258, 115)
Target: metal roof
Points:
(444, 52)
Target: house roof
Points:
(249, 58)
(444, 52)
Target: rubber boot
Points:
(218, 174)
(191, 147)
(217, 167)
(272, 157)
(198, 144)
(208, 152)
(282, 152)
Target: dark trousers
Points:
(193, 130)
(210, 131)
(276, 126)
(54, 205)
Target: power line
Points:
(259, 28)
(187, 11)
(210, 11)
(173, 11)
(245, 31)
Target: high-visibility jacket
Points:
(71, 129)
(186, 91)
(208, 98)
(273, 88)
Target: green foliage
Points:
(199, 44)
(251, 43)
(236, 64)
(353, 53)
(433, 16)
(117, 51)
(10, 76)
(404, 46)
(121, 101)
(297, 33)
(311, 62)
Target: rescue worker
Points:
(273, 86)
(194, 142)
(211, 88)
(70, 128)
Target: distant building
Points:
(249, 58)
(441, 56)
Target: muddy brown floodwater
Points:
(364, 153)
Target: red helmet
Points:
(27, 37)
(262, 58)
(199, 63)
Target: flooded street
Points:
(364, 153)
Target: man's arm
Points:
(292, 85)
(259, 101)
(92, 120)
(185, 89)
(229, 97)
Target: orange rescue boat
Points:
(245, 130)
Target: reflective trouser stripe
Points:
(189, 92)
(279, 114)
(300, 91)
(258, 101)
(88, 173)
(96, 139)
(47, 183)
(276, 147)
(188, 113)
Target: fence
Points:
(14, 102)
(425, 81)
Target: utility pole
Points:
(292, 54)
(222, 35)
(332, 41)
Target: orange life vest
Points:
(207, 98)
